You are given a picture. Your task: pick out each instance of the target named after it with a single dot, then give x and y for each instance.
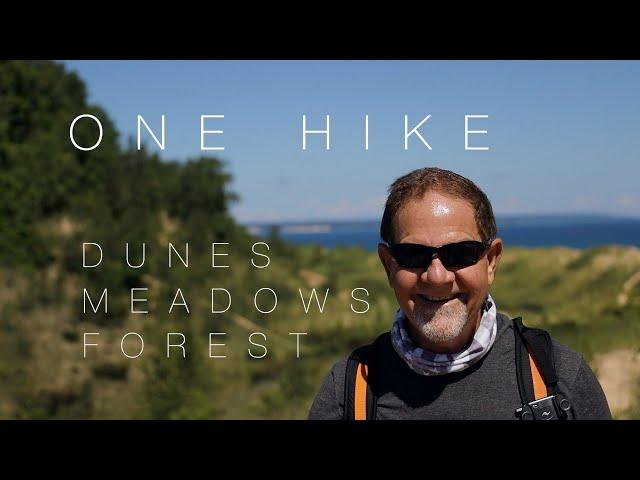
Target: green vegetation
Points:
(54, 197)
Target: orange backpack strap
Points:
(539, 388)
(360, 401)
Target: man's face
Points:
(442, 305)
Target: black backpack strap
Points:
(537, 343)
(365, 355)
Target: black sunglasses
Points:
(452, 255)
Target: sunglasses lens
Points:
(409, 255)
(460, 255)
(454, 255)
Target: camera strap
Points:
(536, 374)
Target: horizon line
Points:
(498, 216)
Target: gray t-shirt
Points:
(488, 390)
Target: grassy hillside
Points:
(588, 299)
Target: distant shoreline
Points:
(577, 231)
(525, 217)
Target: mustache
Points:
(427, 312)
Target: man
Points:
(450, 354)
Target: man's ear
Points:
(494, 254)
(386, 259)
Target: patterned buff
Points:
(428, 363)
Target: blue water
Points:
(527, 231)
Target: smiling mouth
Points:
(438, 299)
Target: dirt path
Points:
(619, 374)
(632, 281)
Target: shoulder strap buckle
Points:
(553, 407)
(537, 378)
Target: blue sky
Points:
(562, 135)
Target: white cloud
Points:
(585, 202)
(629, 201)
